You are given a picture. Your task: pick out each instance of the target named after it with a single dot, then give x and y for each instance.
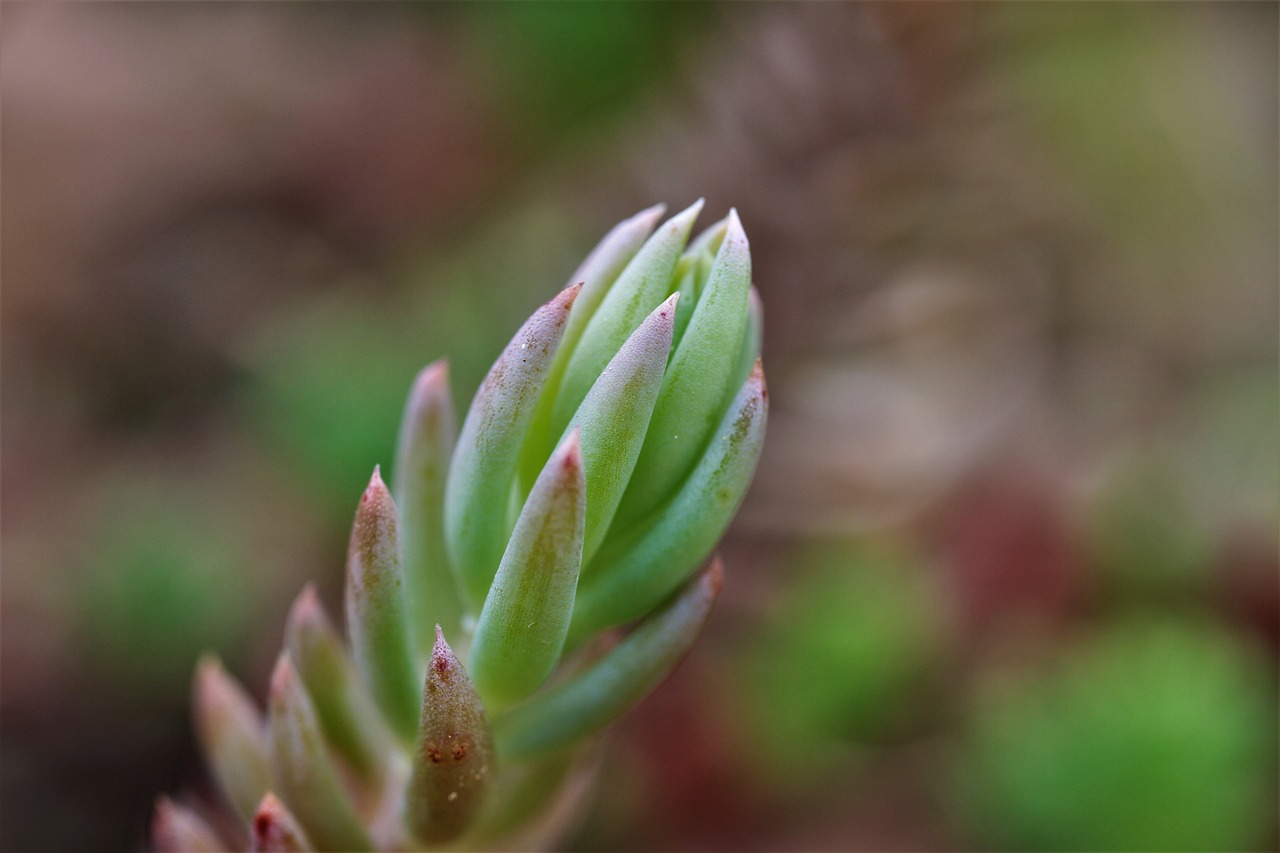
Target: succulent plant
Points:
(599, 463)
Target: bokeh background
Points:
(1008, 575)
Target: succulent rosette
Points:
(600, 461)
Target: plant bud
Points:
(232, 736)
(347, 716)
(453, 758)
(484, 463)
(377, 609)
(304, 775)
(641, 569)
(275, 830)
(426, 444)
(522, 627)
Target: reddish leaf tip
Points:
(443, 662)
(284, 677)
(712, 580)
(571, 451)
(566, 297)
(431, 383)
(306, 607)
(757, 377)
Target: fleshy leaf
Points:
(646, 281)
(691, 401)
(377, 612)
(177, 829)
(593, 699)
(346, 713)
(614, 415)
(427, 435)
(232, 735)
(522, 627)
(749, 348)
(640, 569)
(453, 758)
(304, 775)
(275, 830)
(484, 462)
(596, 275)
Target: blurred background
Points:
(1008, 574)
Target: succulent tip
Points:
(683, 221)
(306, 607)
(284, 678)
(734, 232)
(565, 298)
(571, 450)
(208, 666)
(275, 830)
(712, 580)
(431, 382)
(649, 216)
(669, 305)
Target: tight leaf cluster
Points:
(599, 463)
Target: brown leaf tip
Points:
(713, 578)
(565, 298)
(443, 661)
(757, 377)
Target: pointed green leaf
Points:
(276, 830)
(596, 697)
(596, 275)
(614, 415)
(176, 829)
(522, 627)
(232, 736)
(377, 613)
(484, 463)
(691, 402)
(304, 775)
(426, 443)
(347, 715)
(646, 281)
(453, 759)
(640, 569)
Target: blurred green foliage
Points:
(847, 657)
(166, 579)
(1154, 733)
(559, 69)
(1144, 536)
